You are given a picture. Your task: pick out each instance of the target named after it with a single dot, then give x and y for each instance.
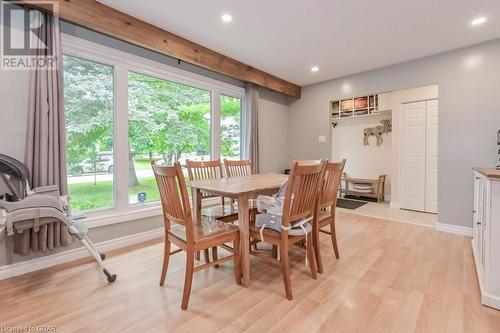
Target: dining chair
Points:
(326, 207)
(238, 167)
(186, 235)
(235, 168)
(200, 170)
(298, 206)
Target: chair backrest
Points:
(330, 188)
(238, 167)
(198, 170)
(174, 196)
(302, 191)
(308, 162)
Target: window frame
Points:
(242, 102)
(123, 63)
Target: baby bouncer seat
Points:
(22, 208)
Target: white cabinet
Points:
(486, 234)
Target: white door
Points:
(431, 170)
(413, 146)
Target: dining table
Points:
(241, 189)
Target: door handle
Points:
(478, 223)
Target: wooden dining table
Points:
(241, 189)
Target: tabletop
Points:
(235, 186)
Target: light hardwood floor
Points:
(391, 277)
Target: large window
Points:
(123, 111)
(88, 93)
(230, 127)
(168, 122)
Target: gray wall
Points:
(273, 131)
(469, 116)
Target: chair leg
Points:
(317, 249)
(310, 256)
(274, 252)
(285, 267)
(188, 279)
(166, 257)
(334, 239)
(206, 256)
(255, 245)
(237, 263)
(215, 255)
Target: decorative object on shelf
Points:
(378, 132)
(346, 105)
(361, 102)
(498, 155)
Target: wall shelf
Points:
(362, 106)
(381, 112)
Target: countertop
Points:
(488, 172)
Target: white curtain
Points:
(250, 121)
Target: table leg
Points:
(196, 197)
(244, 221)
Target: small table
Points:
(242, 189)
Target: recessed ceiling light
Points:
(227, 18)
(478, 21)
(314, 69)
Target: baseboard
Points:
(394, 205)
(70, 255)
(454, 229)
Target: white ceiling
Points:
(342, 37)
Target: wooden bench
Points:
(377, 187)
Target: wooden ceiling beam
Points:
(107, 20)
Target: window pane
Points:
(230, 127)
(168, 122)
(88, 93)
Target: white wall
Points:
(363, 161)
(273, 132)
(469, 116)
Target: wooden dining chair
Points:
(185, 234)
(303, 186)
(200, 170)
(235, 168)
(326, 207)
(238, 167)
